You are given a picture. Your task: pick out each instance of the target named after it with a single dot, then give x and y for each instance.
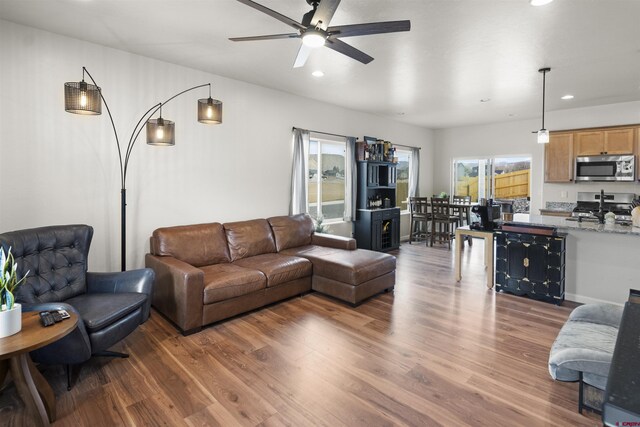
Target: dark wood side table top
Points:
(622, 396)
(33, 335)
(36, 393)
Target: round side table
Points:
(33, 389)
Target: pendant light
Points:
(543, 134)
(82, 98)
(209, 110)
(161, 131)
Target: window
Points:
(402, 181)
(326, 166)
(504, 178)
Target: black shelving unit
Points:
(377, 227)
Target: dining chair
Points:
(420, 217)
(442, 221)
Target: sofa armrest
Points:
(178, 292)
(331, 241)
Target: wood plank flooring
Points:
(434, 352)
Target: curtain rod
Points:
(325, 133)
(345, 136)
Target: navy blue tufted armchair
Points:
(109, 305)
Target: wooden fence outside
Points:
(512, 185)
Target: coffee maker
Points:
(488, 214)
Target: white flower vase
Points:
(11, 321)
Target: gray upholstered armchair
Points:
(110, 305)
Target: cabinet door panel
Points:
(619, 141)
(516, 253)
(537, 256)
(558, 158)
(589, 143)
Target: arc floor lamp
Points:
(86, 99)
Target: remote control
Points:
(57, 317)
(46, 318)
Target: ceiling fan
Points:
(314, 30)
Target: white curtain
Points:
(351, 184)
(299, 172)
(414, 173)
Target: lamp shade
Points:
(543, 136)
(209, 111)
(82, 98)
(161, 132)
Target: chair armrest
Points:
(70, 350)
(140, 281)
(178, 292)
(331, 241)
(137, 281)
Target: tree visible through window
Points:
(326, 190)
(402, 184)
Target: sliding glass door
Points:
(472, 177)
(506, 178)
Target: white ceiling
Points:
(457, 52)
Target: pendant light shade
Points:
(82, 98)
(543, 134)
(161, 132)
(209, 111)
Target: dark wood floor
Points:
(434, 352)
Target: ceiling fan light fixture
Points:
(313, 38)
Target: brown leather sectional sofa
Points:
(210, 272)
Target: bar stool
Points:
(419, 215)
(442, 221)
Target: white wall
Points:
(60, 168)
(515, 137)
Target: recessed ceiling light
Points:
(539, 2)
(567, 97)
(485, 100)
(317, 73)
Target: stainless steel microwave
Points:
(605, 168)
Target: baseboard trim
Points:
(587, 300)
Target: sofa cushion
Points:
(101, 310)
(291, 231)
(198, 245)
(278, 268)
(249, 238)
(226, 281)
(348, 266)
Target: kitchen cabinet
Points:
(612, 141)
(559, 158)
(531, 264)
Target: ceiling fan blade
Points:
(370, 28)
(274, 14)
(324, 13)
(350, 51)
(268, 37)
(303, 54)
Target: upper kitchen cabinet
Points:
(612, 141)
(558, 158)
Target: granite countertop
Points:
(568, 226)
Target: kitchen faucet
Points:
(600, 213)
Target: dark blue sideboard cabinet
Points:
(530, 264)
